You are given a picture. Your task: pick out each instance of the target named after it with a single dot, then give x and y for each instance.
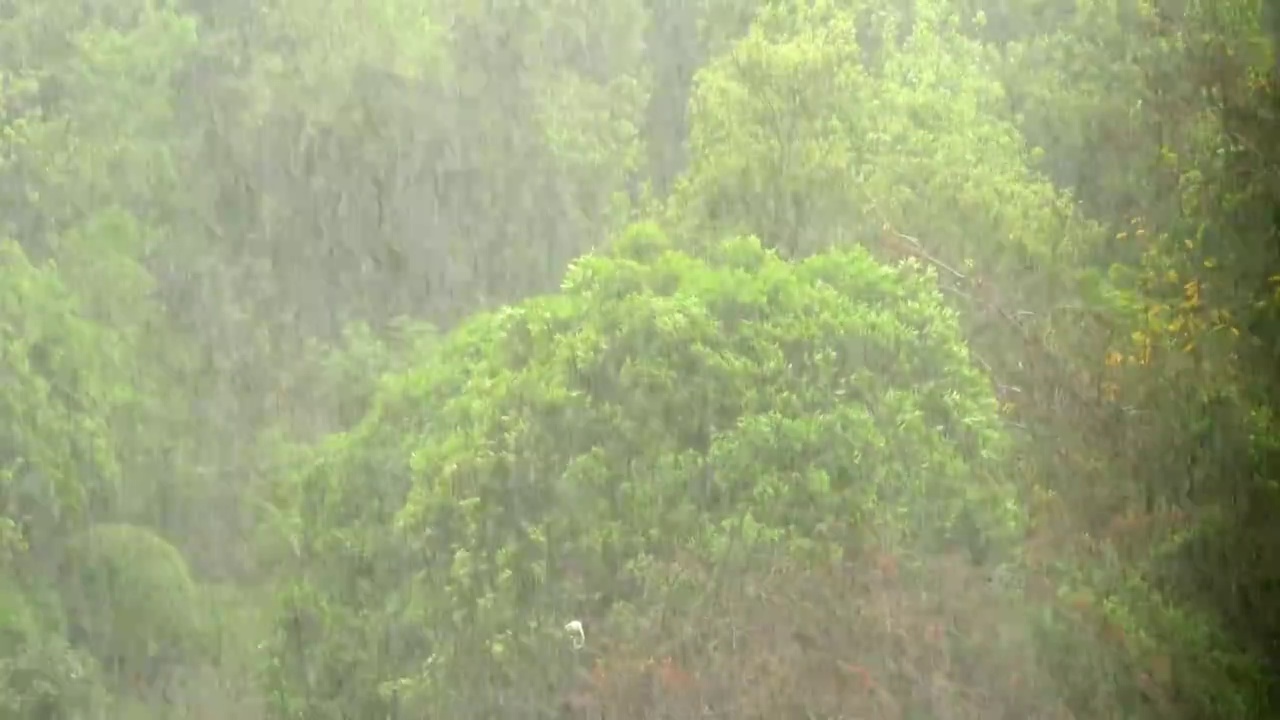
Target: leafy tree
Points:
(65, 384)
(830, 124)
(803, 136)
(132, 601)
(661, 403)
(1166, 147)
(472, 150)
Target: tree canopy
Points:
(661, 404)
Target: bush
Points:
(133, 600)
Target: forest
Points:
(639, 359)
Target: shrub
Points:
(133, 599)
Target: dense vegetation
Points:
(821, 358)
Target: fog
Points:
(632, 359)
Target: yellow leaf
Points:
(1191, 345)
(1192, 292)
(1211, 263)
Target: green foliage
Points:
(131, 593)
(47, 678)
(338, 384)
(41, 675)
(84, 77)
(826, 123)
(661, 403)
(1118, 640)
(62, 386)
(228, 230)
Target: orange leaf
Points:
(864, 676)
(1113, 632)
(672, 677)
(887, 565)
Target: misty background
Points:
(903, 359)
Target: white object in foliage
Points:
(576, 634)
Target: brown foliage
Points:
(887, 638)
